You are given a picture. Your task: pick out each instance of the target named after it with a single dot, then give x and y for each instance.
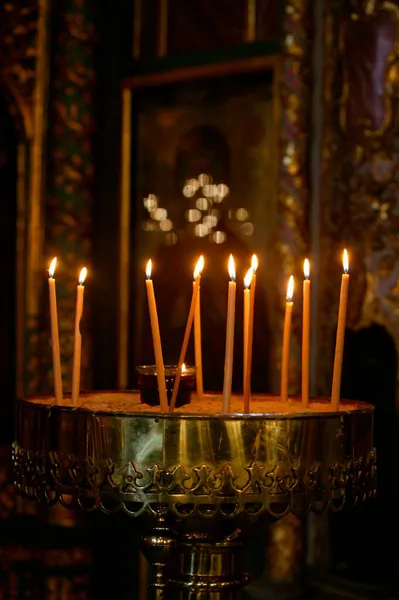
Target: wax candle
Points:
(247, 385)
(198, 343)
(55, 342)
(197, 278)
(305, 333)
(156, 339)
(286, 339)
(77, 347)
(340, 339)
(247, 300)
(229, 353)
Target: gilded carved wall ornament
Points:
(71, 175)
(23, 73)
(360, 201)
(293, 185)
(369, 47)
(18, 54)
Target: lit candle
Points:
(339, 344)
(247, 300)
(197, 278)
(247, 384)
(305, 333)
(77, 348)
(198, 343)
(156, 339)
(286, 339)
(55, 342)
(229, 355)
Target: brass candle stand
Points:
(197, 482)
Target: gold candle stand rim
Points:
(194, 466)
(346, 407)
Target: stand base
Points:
(197, 567)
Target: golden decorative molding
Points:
(162, 49)
(124, 241)
(251, 21)
(24, 73)
(21, 226)
(137, 29)
(36, 203)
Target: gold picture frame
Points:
(131, 86)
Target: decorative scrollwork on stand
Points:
(199, 490)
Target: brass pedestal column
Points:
(211, 570)
(197, 567)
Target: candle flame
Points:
(183, 368)
(345, 261)
(198, 267)
(254, 263)
(290, 289)
(82, 276)
(248, 278)
(306, 268)
(52, 266)
(148, 269)
(232, 268)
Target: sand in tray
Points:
(210, 404)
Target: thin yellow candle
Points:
(55, 342)
(286, 340)
(197, 278)
(305, 333)
(198, 343)
(339, 344)
(156, 339)
(77, 347)
(229, 354)
(247, 302)
(247, 385)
